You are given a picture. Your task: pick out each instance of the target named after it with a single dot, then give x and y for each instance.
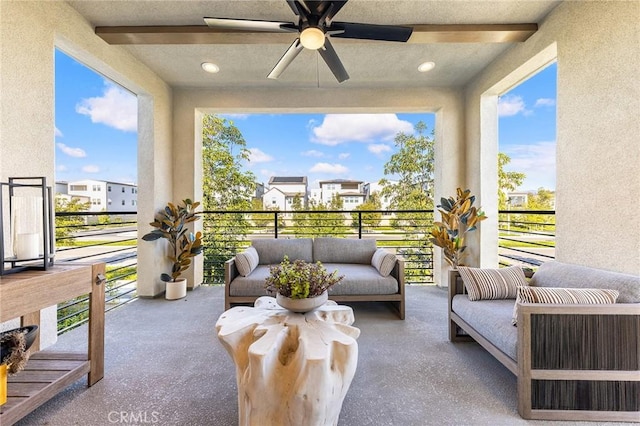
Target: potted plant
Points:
(172, 224)
(14, 353)
(458, 217)
(301, 286)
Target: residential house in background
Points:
(105, 196)
(282, 190)
(350, 191)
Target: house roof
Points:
(288, 180)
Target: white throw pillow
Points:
(383, 261)
(247, 261)
(568, 296)
(491, 284)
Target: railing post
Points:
(275, 224)
(359, 225)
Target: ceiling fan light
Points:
(210, 67)
(426, 66)
(312, 38)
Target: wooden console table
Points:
(23, 295)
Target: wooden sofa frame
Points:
(397, 300)
(566, 353)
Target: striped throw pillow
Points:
(247, 261)
(489, 284)
(383, 261)
(568, 296)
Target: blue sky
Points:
(96, 134)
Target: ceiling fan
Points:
(315, 27)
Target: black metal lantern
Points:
(26, 225)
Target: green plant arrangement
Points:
(300, 280)
(458, 217)
(171, 224)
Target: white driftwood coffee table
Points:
(292, 369)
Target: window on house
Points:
(123, 202)
(78, 187)
(132, 191)
(109, 188)
(123, 189)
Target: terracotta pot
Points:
(176, 289)
(302, 305)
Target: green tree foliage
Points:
(226, 187)
(67, 225)
(543, 200)
(265, 220)
(312, 223)
(413, 165)
(371, 219)
(507, 181)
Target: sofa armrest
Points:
(398, 273)
(230, 273)
(568, 351)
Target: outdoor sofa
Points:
(572, 361)
(370, 274)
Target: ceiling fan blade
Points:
(250, 25)
(334, 8)
(330, 56)
(287, 58)
(370, 31)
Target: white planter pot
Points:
(302, 305)
(176, 289)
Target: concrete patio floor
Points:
(165, 366)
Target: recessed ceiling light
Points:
(426, 66)
(210, 67)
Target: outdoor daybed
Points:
(572, 361)
(370, 274)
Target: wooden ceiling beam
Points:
(202, 34)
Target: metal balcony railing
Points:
(98, 237)
(402, 232)
(526, 237)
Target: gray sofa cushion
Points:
(557, 274)
(272, 250)
(251, 285)
(342, 250)
(490, 318)
(361, 279)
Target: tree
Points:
(226, 188)
(543, 200)
(312, 223)
(66, 225)
(371, 219)
(413, 167)
(508, 181)
(413, 164)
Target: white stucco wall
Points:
(598, 151)
(29, 32)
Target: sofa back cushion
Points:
(557, 274)
(342, 250)
(271, 251)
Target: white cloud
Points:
(71, 152)
(312, 153)
(537, 161)
(545, 102)
(335, 169)
(340, 128)
(62, 168)
(58, 133)
(116, 108)
(378, 148)
(91, 168)
(257, 156)
(511, 105)
(344, 155)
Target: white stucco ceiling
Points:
(369, 64)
